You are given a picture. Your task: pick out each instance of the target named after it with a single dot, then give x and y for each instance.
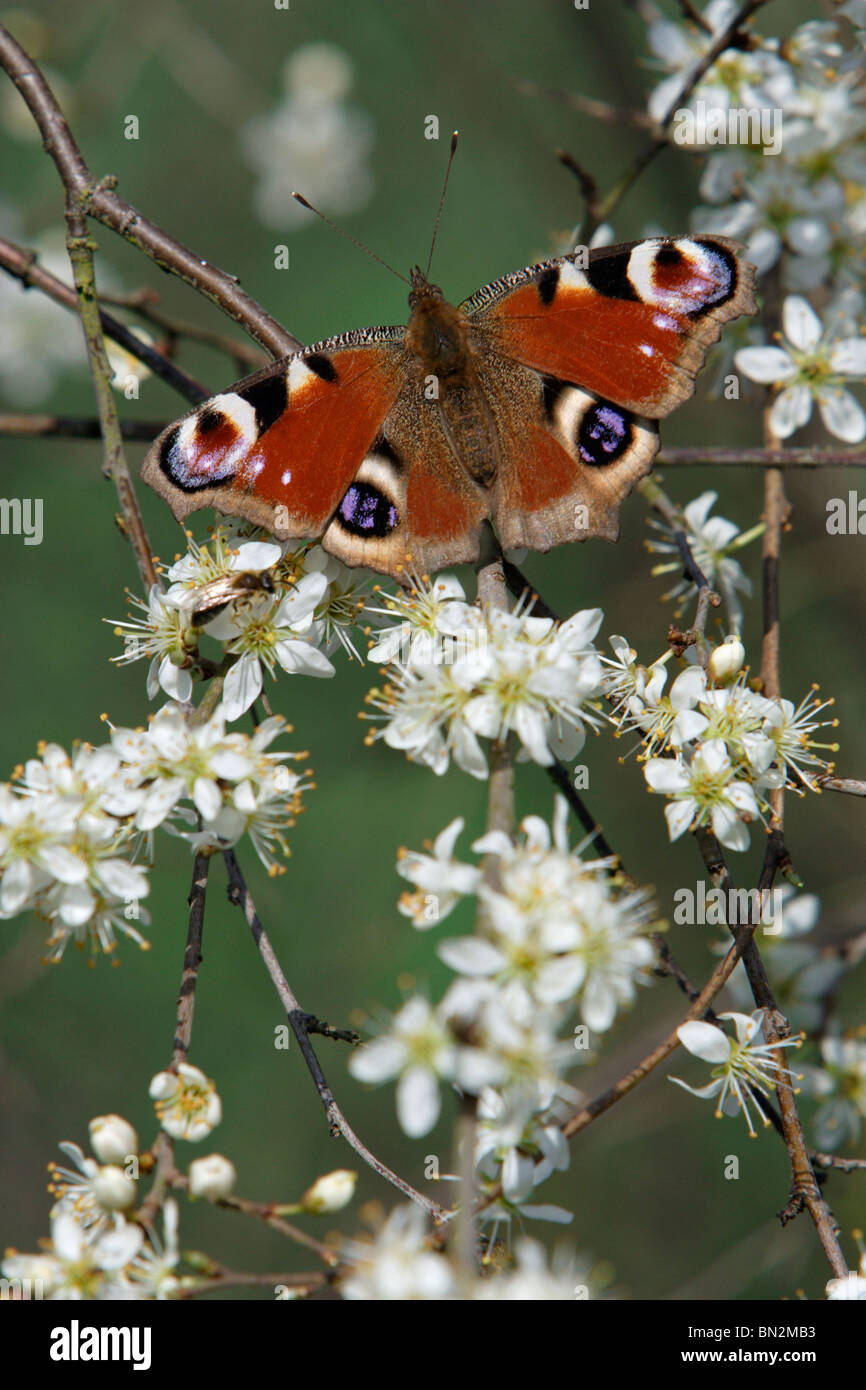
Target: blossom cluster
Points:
(99, 1247)
(457, 674)
(269, 605)
(398, 1262)
(559, 935)
(712, 745)
(797, 201)
(72, 826)
(314, 140)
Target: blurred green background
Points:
(646, 1181)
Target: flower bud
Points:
(211, 1177)
(727, 660)
(113, 1189)
(331, 1192)
(112, 1139)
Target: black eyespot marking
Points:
(551, 390)
(609, 275)
(209, 420)
(321, 364)
(725, 274)
(181, 471)
(383, 449)
(546, 284)
(166, 452)
(668, 254)
(603, 435)
(268, 399)
(365, 511)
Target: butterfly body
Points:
(534, 403)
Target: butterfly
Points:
(534, 403)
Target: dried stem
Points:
(297, 1017)
(96, 198)
(191, 960)
(24, 266)
(115, 466)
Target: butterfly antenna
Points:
(304, 202)
(454, 139)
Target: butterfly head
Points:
(422, 293)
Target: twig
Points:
(115, 466)
(97, 199)
(264, 1211)
(849, 785)
(240, 895)
(144, 303)
(191, 959)
(805, 1191)
(717, 980)
(717, 457)
(607, 205)
(24, 266)
(598, 110)
(74, 427)
(707, 598)
(225, 1278)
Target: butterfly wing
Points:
(411, 501)
(596, 351)
(282, 447)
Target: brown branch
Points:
(225, 1278)
(659, 141)
(97, 199)
(239, 894)
(701, 1004)
(115, 466)
(849, 785)
(23, 265)
(653, 493)
(145, 304)
(589, 106)
(74, 427)
(805, 1190)
(191, 960)
(717, 457)
(264, 1211)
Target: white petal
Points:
(174, 681)
(705, 1040)
(666, 775)
(418, 1101)
(207, 797)
(380, 1060)
(16, 886)
(243, 685)
(688, 725)
(256, 555)
(790, 410)
(76, 905)
(801, 324)
(843, 415)
(302, 658)
(158, 801)
(688, 688)
(764, 364)
(679, 816)
(849, 357)
(471, 955)
(729, 829)
(122, 879)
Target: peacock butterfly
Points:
(535, 403)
